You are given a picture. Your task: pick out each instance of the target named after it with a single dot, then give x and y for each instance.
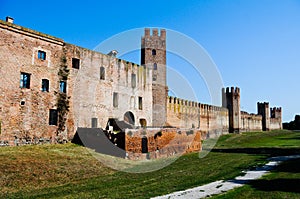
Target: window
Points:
(75, 63)
(102, 73)
(133, 80)
(45, 85)
(94, 122)
(25, 80)
(41, 55)
(115, 99)
(154, 78)
(140, 103)
(155, 66)
(153, 52)
(53, 117)
(63, 86)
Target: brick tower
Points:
(231, 100)
(263, 110)
(153, 55)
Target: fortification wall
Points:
(93, 95)
(188, 114)
(275, 123)
(25, 112)
(161, 142)
(250, 122)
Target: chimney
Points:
(9, 19)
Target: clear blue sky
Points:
(254, 43)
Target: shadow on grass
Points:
(261, 151)
(280, 184)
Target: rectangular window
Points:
(25, 80)
(41, 55)
(140, 103)
(115, 99)
(53, 117)
(75, 63)
(133, 80)
(45, 85)
(63, 86)
(94, 122)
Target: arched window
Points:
(155, 66)
(153, 52)
(102, 73)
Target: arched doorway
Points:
(129, 118)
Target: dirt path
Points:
(221, 186)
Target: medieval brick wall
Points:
(161, 142)
(188, 114)
(250, 122)
(24, 112)
(103, 87)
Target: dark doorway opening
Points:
(144, 145)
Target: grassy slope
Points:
(69, 171)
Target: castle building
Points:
(42, 75)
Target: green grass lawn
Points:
(284, 182)
(70, 171)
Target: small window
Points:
(75, 63)
(154, 78)
(115, 99)
(63, 86)
(53, 117)
(94, 122)
(133, 80)
(41, 55)
(45, 85)
(153, 52)
(25, 80)
(140, 103)
(102, 73)
(155, 66)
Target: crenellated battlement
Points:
(276, 112)
(232, 90)
(155, 32)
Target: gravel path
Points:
(221, 186)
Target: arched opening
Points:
(155, 66)
(143, 122)
(144, 145)
(153, 52)
(102, 73)
(129, 117)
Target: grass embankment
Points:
(70, 171)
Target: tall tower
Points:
(153, 55)
(231, 100)
(263, 110)
(276, 113)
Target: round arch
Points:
(129, 118)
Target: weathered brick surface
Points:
(162, 142)
(18, 53)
